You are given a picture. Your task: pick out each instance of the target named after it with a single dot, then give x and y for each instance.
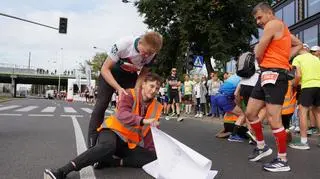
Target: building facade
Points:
(302, 17)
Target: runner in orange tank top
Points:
(273, 52)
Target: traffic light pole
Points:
(6, 15)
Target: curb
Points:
(5, 100)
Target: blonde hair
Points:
(153, 39)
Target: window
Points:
(297, 10)
(311, 7)
(255, 40)
(279, 14)
(288, 14)
(310, 36)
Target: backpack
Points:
(245, 65)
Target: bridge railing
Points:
(21, 69)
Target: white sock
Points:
(260, 144)
(304, 140)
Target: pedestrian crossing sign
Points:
(198, 61)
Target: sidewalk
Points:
(5, 98)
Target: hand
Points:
(152, 122)
(121, 90)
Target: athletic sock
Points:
(257, 128)
(281, 140)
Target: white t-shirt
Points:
(125, 51)
(253, 79)
(197, 90)
(162, 91)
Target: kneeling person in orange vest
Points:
(228, 124)
(126, 134)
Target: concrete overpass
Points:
(16, 76)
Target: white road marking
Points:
(49, 109)
(41, 115)
(69, 110)
(8, 107)
(85, 173)
(63, 115)
(10, 114)
(26, 109)
(109, 111)
(88, 110)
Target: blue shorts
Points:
(225, 102)
(164, 99)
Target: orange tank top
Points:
(277, 54)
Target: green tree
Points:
(212, 28)
(97, 62)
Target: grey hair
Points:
(264, 6)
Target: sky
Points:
(91, 23)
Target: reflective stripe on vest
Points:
(229, 118)
(133, 135)
(289, 103)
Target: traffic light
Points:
(63, 24)
(189, 61)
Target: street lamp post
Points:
(98, 48)
(59, 74)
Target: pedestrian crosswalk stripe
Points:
(49, 109)
(10, 114)
(41, 115)
(88, 110)
(26, 109)
(8, 107)
(69, 110)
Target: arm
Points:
(237, 95)
(107, 75)
(296, 45)
(268, 34)
(124, 112)
(172, 83)
(297, 76)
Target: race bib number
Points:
(269, 77)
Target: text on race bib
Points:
(269, 77)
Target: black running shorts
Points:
(310, 97)
(271, 93)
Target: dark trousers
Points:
(105, 91)
(109, 144)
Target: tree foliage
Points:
(213, 28)
(96, 64)
(98, 61)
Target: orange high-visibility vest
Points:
(133, 135)
(290, 100)
(229, 118)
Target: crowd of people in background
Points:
(193, 96)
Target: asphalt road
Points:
(36, 134)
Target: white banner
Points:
(176, 160)
(78, 78)
(88, 75)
